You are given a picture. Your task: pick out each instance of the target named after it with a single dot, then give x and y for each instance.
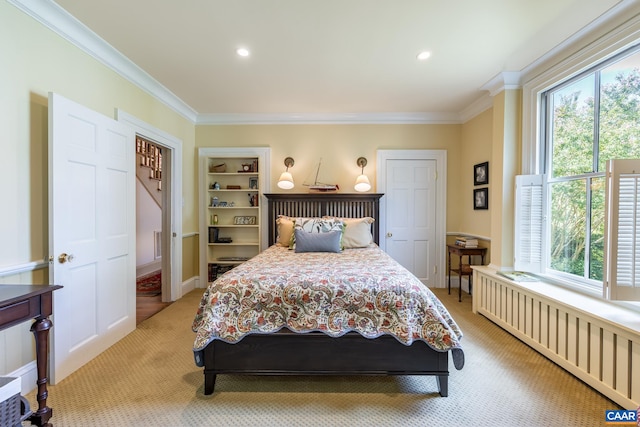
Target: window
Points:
(587, 120)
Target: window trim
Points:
(593, 76)
(610, 39)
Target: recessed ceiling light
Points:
(423, 55)
(242, 51)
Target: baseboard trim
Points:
(189, 285)
(152, 267)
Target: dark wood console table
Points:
(19, 303)
(463, 269)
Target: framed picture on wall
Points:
(481, 173)
(481, 198)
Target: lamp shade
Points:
(362, 183)
(286, 181)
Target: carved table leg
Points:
(40, 329)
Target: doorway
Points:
(413, 210)
(151, 176)
(170, 244)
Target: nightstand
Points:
(463, 269)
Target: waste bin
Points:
(10, 410)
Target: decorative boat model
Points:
(319, 186)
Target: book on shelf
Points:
(518, 276)
(217, 270)
(467, 242)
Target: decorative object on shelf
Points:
(222, 204)
(246, 167)
(213, 234)
(214, 202)
(253, 183)
(362, 182)
(286, 180)
(244, 220)
(233, 187)
(216, 185)
(481, 198)
(219, 168)
(481, 173)
(319, 186)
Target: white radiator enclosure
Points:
(595, 340)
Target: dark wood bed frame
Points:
(289, 353)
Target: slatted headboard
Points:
(320, 204)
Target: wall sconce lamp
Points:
(362, 182)
(286, 180)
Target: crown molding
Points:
(619, 17)
(503, 81)
(58, 20)
(478, 106)
(328, 118)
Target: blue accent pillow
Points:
(318, 242)
(316, 225)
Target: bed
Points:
(306, 308)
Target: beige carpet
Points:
(149, 378)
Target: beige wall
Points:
(190, 257)
(476, 148)
(339, 146)
(34, 62)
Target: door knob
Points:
(389, 234)
(63, 257)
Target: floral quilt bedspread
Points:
(362, 290)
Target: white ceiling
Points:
(332, 57)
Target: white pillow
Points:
(357, 232)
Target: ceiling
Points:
(332, 57)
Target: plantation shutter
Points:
(529, 218)
(622, 231)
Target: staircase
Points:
(149, 167)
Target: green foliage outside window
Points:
(594, 119)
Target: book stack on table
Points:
(467, 242)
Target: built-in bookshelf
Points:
(231, 223)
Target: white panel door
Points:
(411, 216)
(91, 233)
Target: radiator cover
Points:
(598, 351)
